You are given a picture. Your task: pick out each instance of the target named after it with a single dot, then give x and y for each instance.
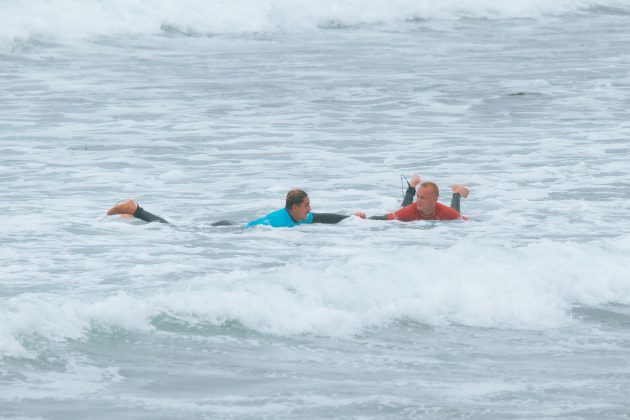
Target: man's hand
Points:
(360, 214)
(414, 181)
(463, 191)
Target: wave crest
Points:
(75, 19)
(533, 287)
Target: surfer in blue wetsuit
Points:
(297, 211)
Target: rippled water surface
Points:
(521, 312)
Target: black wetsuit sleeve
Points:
(378, 217)
(411, 191)
(142, 214)
(329, 218)
(455, 202)
(223, 223)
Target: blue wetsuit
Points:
(279, 218)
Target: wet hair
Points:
(295, 197)
(434, 187)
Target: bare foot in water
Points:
(124, 207)
(463, 191)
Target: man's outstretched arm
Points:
(332, 218)
(328, 218)
(362, 215)
(458, 192)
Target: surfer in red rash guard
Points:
(426, 206)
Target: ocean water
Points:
(209, 110)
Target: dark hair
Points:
(435, 188)
(295, 197)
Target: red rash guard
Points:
(411, 212)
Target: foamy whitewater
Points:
(210, 110)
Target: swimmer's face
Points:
(299, 211)
(426, 199)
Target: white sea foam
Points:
(530, 287)
(77, 379)
(71, 19)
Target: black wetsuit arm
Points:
(142, 214)
(223, 223)
(411, 191)
(455, 202)
(329, 218)
(384, 217)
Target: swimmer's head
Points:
(298, 204)
(433, 187)
(427, 197)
